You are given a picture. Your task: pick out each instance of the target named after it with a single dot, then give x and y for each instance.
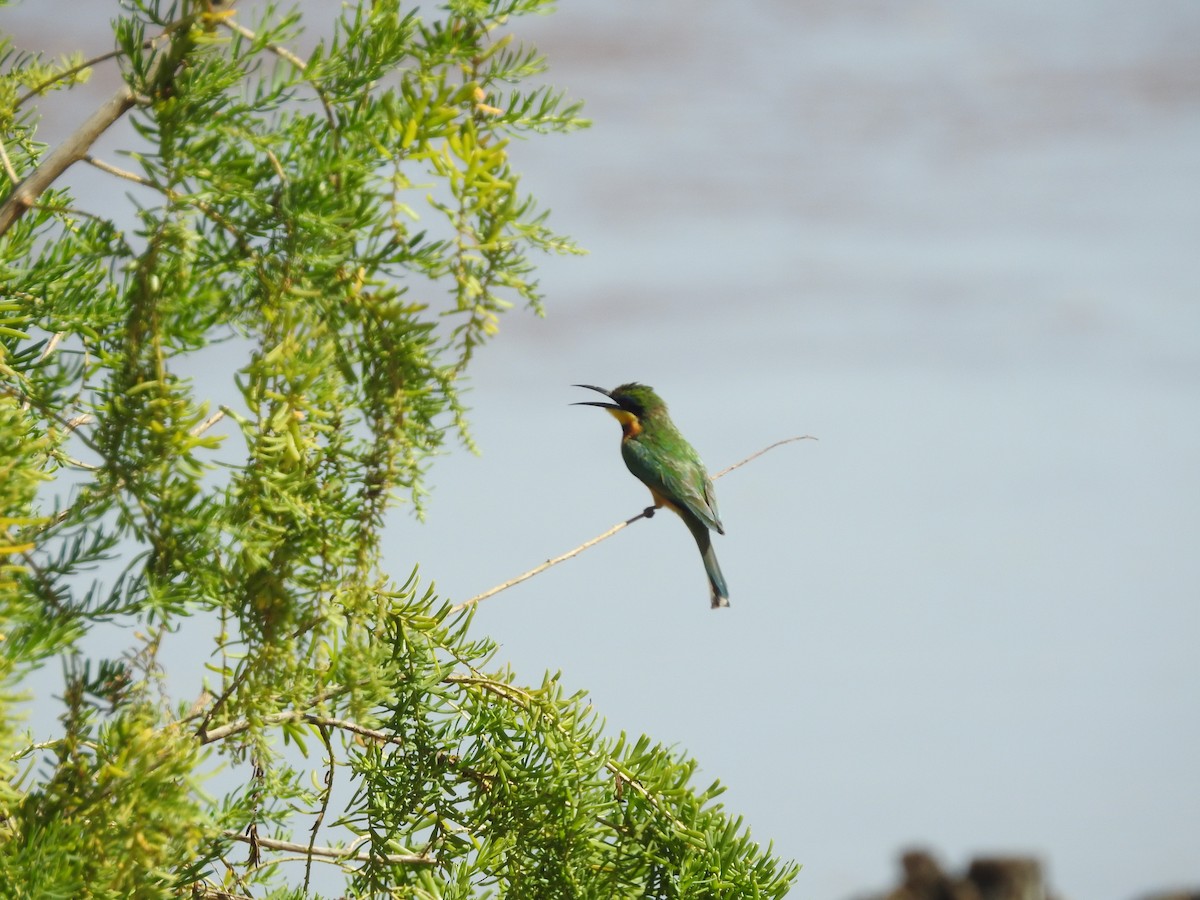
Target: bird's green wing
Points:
(675, 474)
(710, 497)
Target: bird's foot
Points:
(649, 511)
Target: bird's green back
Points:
(657, 454)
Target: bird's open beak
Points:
(599, 390)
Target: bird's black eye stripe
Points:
(631, 405)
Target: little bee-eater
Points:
(657, 454)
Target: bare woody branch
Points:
(606, 535)
(24, 196)
(345, 854)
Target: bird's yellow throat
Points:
(630, 426)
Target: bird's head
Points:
(632, 404)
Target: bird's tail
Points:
(716, 581)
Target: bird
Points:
(659, 456)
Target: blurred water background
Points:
(960, 243)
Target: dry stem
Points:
(606, 535)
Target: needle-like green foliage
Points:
(210, 393)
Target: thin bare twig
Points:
(80, 464)
(81, 419)
(346, 855)
(208, 423)
(208, 735)
(491, 592)
(277, 49)
(51, 345)
(286, 54)
(74, 70)
(754, 456)
(204, 891)
(606, 535)
(119, 172)
(328, 792)
(374, 734)
(173, 196)
(8, 166)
